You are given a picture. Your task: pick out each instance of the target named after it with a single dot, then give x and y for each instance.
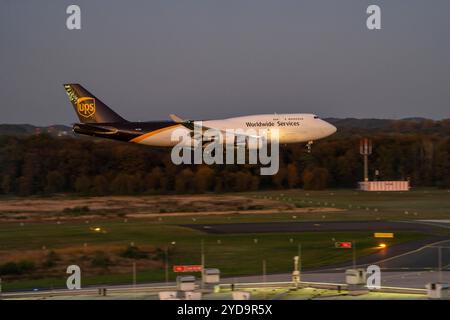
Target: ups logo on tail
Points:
(86, 107)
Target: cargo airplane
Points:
(98, 120)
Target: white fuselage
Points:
(292, 128)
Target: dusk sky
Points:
(224, 58)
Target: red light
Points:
(178, 268)
(344, 245)
(187, 268)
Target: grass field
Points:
(359, 205)
(75, 241)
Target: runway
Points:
(315, 226)
(418, 255)
(430, 257)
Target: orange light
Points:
(382, 245)
(383, 234)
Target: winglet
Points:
(176, 118)
(186, 123)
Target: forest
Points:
(42, 164)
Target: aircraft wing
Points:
(191, 125)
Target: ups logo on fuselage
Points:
(86, 107)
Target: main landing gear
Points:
(308, 146)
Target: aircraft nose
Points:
(329, 129)
(332, 129)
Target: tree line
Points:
(44, 165)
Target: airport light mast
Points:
(365, 149)
(297, 267)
